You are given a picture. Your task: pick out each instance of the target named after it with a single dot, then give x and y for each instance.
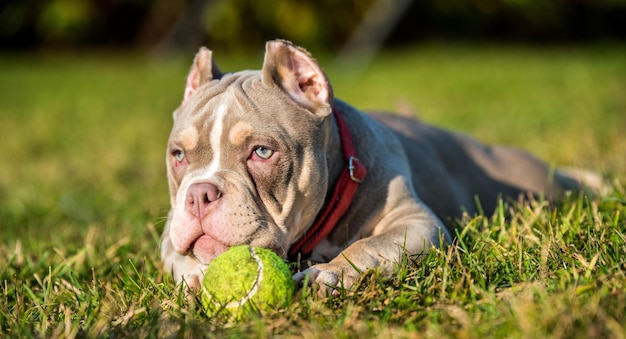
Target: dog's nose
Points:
(199, 198)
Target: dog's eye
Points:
(263, 153)
(178, 155)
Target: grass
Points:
(83, 199)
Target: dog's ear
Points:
(203, 70)
(297, 73)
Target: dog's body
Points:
(254, 157)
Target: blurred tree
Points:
(63, 20)
(520, 20)
(241, 24)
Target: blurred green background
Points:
(329, 24)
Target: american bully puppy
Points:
(271, 158)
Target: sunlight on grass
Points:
(84, 196)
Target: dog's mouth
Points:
(206, 248)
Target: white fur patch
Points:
(208, 172)
(216, 138)
(200, 175)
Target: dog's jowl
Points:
(272, 159)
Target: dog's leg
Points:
(381, 252)
(406, 227)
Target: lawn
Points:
(83, 197)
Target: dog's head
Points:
(246, 158)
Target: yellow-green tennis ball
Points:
(244, 280)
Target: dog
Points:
(272, 159)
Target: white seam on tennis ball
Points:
(257, 282)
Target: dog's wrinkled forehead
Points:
(290, 85)
(226, 115)
(212, 102)
(231, 91)
(233, 99)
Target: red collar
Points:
(345, 188)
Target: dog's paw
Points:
(327, 279)
(193, 279)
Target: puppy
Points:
(271, 158)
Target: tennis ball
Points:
(246, 280)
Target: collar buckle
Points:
(356, 169)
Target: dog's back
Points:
(451, 172)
